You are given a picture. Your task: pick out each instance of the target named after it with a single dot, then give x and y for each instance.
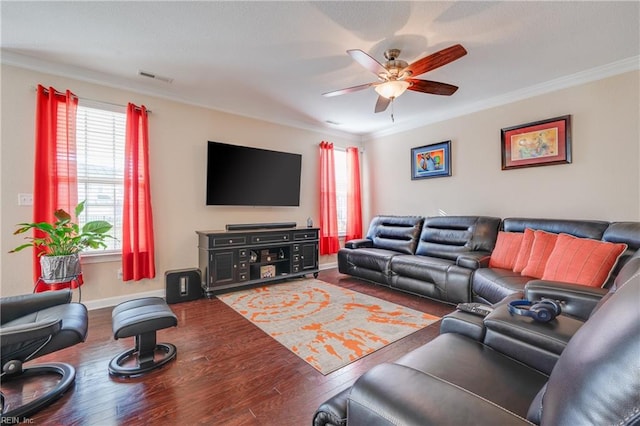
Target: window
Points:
(340, 162)
(100, 138)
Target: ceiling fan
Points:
(396, 75)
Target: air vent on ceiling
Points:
(154, 76)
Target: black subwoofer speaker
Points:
(183, 285)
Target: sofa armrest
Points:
(29, 332)
(358, 243)
(464, 323)
(577, 300)
(396, 394)
(333, 412)
(534, 343)
(474, 259)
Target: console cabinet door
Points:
(308, 256)
(222, 267)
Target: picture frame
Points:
(431, 161)
(540, 143)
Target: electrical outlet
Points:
(119, 274)
(25, 199)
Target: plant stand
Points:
(68, 283)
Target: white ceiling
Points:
(273, 60)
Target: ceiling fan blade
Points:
(432, 87)
(367, 61)
(382, 103)
(347, 90)
(436, 60)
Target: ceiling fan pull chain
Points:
(393, 120)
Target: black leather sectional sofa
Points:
(447, 257)
(433, 256)
(489, 371)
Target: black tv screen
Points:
(244, 176)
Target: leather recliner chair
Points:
(31, 326)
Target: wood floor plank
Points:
(227, 371)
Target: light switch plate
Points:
(25, 199)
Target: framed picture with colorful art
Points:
(431, 161)
(541, 143)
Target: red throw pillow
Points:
(506, 249)
(582, 261)
(543, 244)
(525, 251)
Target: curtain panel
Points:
(138, 252)
(354, 200)
(55, 171)
(329, 242)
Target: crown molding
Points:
(582, 77)
(104, 79)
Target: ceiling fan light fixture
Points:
(392, 89)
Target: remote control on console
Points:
(475, 308)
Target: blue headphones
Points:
(543, 311)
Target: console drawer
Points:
(305, 235)
(228, 241)
(269, 238)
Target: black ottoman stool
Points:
(141, 318)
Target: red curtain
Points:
(138, 260)
(55, 177)
(329, 242)
(354, 206)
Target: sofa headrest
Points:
(623, 275)
(399, 233)
(449, 236)
(595, 381)
(624, 232)
(578, 228)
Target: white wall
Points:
(178, 135)
(602, 182)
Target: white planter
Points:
(59, 269)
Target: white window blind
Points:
(100, 135)
(340, 163)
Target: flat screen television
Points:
(245, 176)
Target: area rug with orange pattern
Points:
(326, 325)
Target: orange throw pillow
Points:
(543, 244)
(525, 250)
(582, 261)
(506, 249)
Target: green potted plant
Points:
(62, 242)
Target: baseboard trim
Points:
(326, 266)
(113, 301)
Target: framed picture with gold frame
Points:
(541, 143)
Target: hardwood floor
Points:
(227, 371)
